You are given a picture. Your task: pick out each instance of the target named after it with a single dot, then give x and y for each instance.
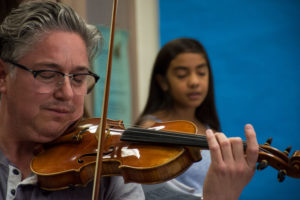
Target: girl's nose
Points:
(193, 80)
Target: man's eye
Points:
(47, 75)
(79, 79)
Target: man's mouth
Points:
(62, 110)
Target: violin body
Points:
(70, 160)
(146, 156)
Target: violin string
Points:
(176, 136)
(199, 138)
(138, 129)
(165, 137)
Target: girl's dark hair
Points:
(161, 100)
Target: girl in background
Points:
(182, 88)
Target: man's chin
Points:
(51, 132)
(50, 128)
(48, 136)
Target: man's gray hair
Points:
(32, 20)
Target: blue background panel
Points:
(254, 50)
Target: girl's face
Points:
(187, 80)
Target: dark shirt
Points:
(12, 187)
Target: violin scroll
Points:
(279, 160)
(295, 164)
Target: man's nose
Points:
(64, 88)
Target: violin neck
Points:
(267, 154)
(164, 137)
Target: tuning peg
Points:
(281, 175)
(269, 141)
(262, 165)
(288, 150)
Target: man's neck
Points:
(19, 153)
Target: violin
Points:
(70, 160)
(146, 156)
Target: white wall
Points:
(147, 44)
(140, 18)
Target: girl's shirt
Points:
(195, 175)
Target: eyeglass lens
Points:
(48, 81)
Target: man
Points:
(45, 54)
(46, 51)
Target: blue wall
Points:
(254, 49)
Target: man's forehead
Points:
(59, 49)
(60, 67)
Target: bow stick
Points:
(100, 133)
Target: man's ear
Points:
(3, 74)
(162, 82)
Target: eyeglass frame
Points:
(35, 73)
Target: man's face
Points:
(43, 117)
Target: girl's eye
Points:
(201, 73)
(181, 76)
(181, 73)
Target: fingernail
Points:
(209, 131)
(248, 126)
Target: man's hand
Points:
(231, 169)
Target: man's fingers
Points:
(225, 146)
(215, 151)
(252, 145)
(237, 149)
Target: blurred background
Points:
(253, 48)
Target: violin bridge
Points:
(78, 136)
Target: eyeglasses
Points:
(46, 81)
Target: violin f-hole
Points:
(80, 160)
